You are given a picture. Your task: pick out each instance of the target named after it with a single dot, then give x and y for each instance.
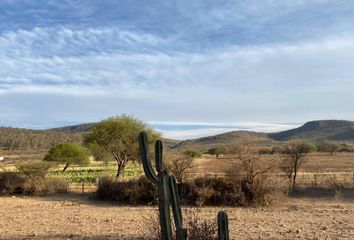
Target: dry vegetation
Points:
(323, 209)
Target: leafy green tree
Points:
(216, 151)
(68, 153)
(327, 146)
(295, 153)
(192, 154)
(116, 138)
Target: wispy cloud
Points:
(152, 73)
(197, 61)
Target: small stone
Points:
(298, 231)
(324, 228)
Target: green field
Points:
(90, 174)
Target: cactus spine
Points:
(168, 195)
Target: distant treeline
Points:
(24, 139)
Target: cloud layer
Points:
(269, 61)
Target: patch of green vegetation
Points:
(91, 173)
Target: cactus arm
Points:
(158, 155)
(144, 152)
(175, 202)
(223, 226)
(181, 233)
(164, 206)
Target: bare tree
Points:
(179, 165)
(254, 168)
(294, 157)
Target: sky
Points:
(189, 68)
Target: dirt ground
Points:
(72, 217)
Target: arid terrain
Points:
(77, 217)
(324, 210)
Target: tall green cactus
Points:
(168, 195)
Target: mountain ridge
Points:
(318, 130)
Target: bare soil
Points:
(71, 216)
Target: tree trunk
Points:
(294, 177)
(66, 166)
(120, 167)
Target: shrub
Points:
(178, 165)
(192, 154)
(211, 191)
(45, 186)
(132, 191)
(198, 229)
(202, 191)
(53, 185)
(17, 183)
(327, 146)
(251, 175)
(265, 151)
(345, 148)
(11, 183)
(34, 170)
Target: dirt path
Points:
(75, 217)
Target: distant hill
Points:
(204, 143)
(79, 128)
(335, 130)
(86, 127)
(27, 139)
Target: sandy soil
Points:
(76, 217)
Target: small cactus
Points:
(168, 195)
(223, 226)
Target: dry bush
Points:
(252, 174)
(178, 165)
(212, 191)
(133, 191)
(197, 228)
(17, 183)
(11, 183)
(45, 186)
(55, 185)
(202, 191)
(150, 226)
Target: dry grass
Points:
(316, 162)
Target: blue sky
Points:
(190, 68)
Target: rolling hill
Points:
(334, 130)
(79, 128)
(223, 139)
